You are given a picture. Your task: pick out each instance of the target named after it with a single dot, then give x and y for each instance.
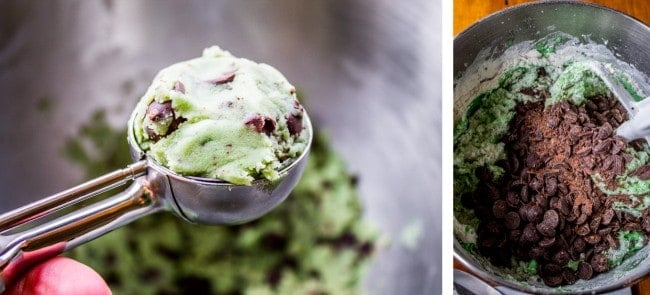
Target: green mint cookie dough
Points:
(221, 117)
(576, 84)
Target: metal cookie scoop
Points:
(154, 189)
(638, 126)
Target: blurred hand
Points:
(59, 275)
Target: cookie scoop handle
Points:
(41, 230)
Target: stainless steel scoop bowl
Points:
(625, 36)
(36, 228)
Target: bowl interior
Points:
(487, 39)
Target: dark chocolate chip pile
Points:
(546, 206)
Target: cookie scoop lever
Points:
(42, 229)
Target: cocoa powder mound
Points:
(546, 206)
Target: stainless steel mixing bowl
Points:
(369, 69)
(626, 37)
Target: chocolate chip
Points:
(607, 163)
(536, 135)
(567, 232)
(547, 242)
(552, 121)
(162, 113)
(587, 207)
(637, 144)
(588, 162)
(611, 242)
(582, 230)
(618, 146)
(583, 151)
(261, 124)
(483, 212)
(565, 206)
(605, 131)
(541, 72)
(605, 231)
(643, 172)
(157, 112)
(592, 239)
(223, 78)
(492, 231)
(511, 220)
(467, 200)
(590, 105)
(571, 118)
(512, 199)
(599, 263)
(600, 247)
(632, 227)
(554, 203)
(569, 276)
(618, 116)
(536, 252)
(645, 224)
(542, 201)
(619, 166)
(551, 218)
(546, 229)
(536, 184)
(551, 186)
(579, 245)
(585, 271)
(575, 133)
(553, 281)
(513, 161)
(534, 161)
(530, 212)
(552, 274)
(582, 218)
(523, 194)
(294, 124)
(500, 208)
(551, 269)
(595, 223)
(514, 235)
(528, 91)
(529, 234)
(571, 217)
(627, 158)
(561, 257)
(152, 135)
